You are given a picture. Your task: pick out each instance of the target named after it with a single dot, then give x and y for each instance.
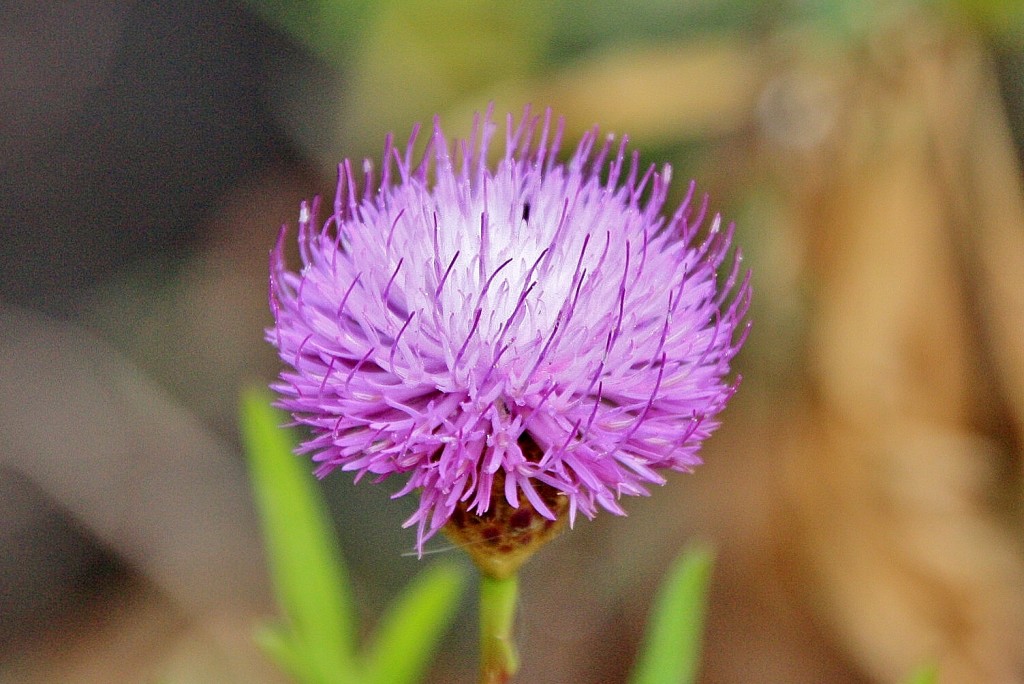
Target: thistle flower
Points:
(532, 338)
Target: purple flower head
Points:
(535, 325)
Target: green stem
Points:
(498, 657)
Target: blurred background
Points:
(864, 493)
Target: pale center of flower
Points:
(525, 263)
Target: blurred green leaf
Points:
(329, 29)
(306, 569)
(408, 635)
(672, 645)
(588, 27)
(928, 674)
(1000, 19)
(277, 643)
(421, 58)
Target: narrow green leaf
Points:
(409, 633)
(277, 643)
(672, 645)
(305, 564)
(927, 674)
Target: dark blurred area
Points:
(126, 129)
(865, 490)
(125, 125)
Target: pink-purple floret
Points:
(447, 310)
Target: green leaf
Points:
(408, 635)
(277, 643)
(1000, 19)
(927, 674)
(672, 645)
(305, 564)
(329, 29)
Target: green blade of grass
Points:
(672, 646)
(408, 635)
(306, 568)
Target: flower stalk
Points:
(498, 657)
